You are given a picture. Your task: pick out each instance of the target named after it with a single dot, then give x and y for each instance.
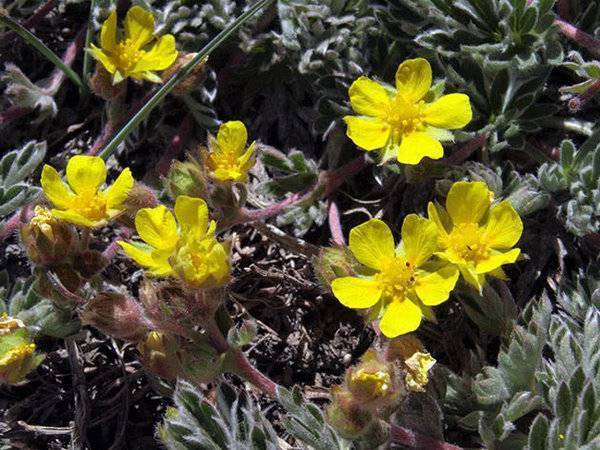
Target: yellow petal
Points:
(118, 192)
(369, 134)
(55, 190)
(372, 243)
(354, 292)
(108, 32)
(413, 79)
(400, 317)
(434, 288)
(415, 146)
(139, 26)
(472, 278)
(146, 257)
(504, 227)
(157, 227)
(232, 137)
(440, 217)
(86, 173)
(160, 56)
(497, 260)
(192, 213)
(77, 219)
(419, 238)
(449, 112)
(245, 161)
(468, 201)
(368, 98)
(103, 58)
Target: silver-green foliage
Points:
(15, 167)
(41, 316)
(576, 174)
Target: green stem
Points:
(87, 61)
(179, 76)
(40, 46)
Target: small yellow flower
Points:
(398, 122)
(417, 367)
(475, 235)
(229, 159)
(189, 251)
(134, 56)
(405, 280)
(17, 351)
(81, 202)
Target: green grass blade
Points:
(30, 38)
(185, 71)
(87, 59)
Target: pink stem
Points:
(579, 36)
(245, 369)
(111, 250)
(176, 145)
(335, 225)
(409, 438)
(13, 113)
(35, 18)
(10, 225)
(467, 150)
(576, 103)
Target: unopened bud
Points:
(101, 84)
(159, 354)
(140, 196)
(187, 178)
(332, 263)
(89, 263)
(372, 381)
(59, 284)
(346, 415)
(17, 351)
(46, 239)
(116, 315)
(189, 83)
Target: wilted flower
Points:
(189, 251)
(134, 56)
(17, 351)
(417, 367)
(115, 314)
(159, 354)
(47, 239)
(475, 235)
(82, 202)
(229, 159)
(372, 380)
(398, 122)
(405, 281)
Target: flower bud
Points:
(346, 415)
(69, 279)
(159, 354)
(332, 263)
(189, 83)
(101, 84)
(187, 178)
(372, 382)
(17, 351)
(140, 196)
(116, 315)
(89, 263)
(47, 239)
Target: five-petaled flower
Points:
(189, 250)
(399, 122)
(404, 280)
(134, 56)
(475, 235)
(229, 159)
(82, 202)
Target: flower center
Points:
(406, 117)
(127, 55)
(396, 278)
(17, 353)
(90, 205)
(467, 242)
(224, 160)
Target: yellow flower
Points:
(229, 159)
(475, 235)
(17, 351)
(398, 122)
(404, 279)
(189, 251)
(81, 202)
(134, 56)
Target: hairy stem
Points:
(176, 146)
(36, 17)
(409, 438)
(581, 37)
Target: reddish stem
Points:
(467, 150)
(578, 102)
(409, 438)
(35, 18)
(111, 250)
(13, 113)
(579, 36)
(245, 369)
(335, 225)
(176, 145)
(10, 225)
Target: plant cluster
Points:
(469, 188)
